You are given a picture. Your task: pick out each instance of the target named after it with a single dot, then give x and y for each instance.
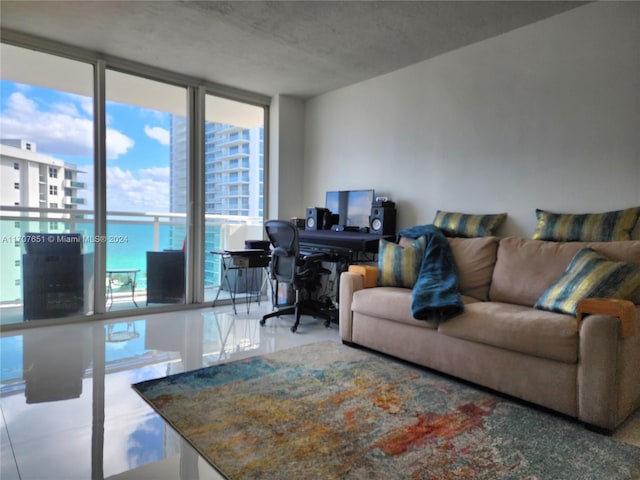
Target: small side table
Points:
(246, 260)
(131, 274)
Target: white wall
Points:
(286, 152)
(546, 116)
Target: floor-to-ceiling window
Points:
(146, 211)
(46, 186)
(117, 175)
(233, 183)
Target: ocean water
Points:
(128, 244)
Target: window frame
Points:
(198, 89)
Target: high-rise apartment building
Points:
(234, 176)
(29, 183)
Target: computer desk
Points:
(341, 248)
(357, 242)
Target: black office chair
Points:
(302, 271)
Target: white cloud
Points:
(68, 109)
(117, 143)
(62, 130)
(141, 190)
(157, 133)
(87, 106)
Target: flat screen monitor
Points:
(359, 207)
(353, 206)
(332, 202)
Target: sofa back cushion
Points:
(525, 268)
(475, 259)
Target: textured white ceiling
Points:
(301, 48)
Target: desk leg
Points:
(232, 293)
(109, 292)
(252, 285)
(132, 282)
(267, 279)
(247, 292)
(258, 287)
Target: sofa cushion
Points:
(391, 303)
(398, 265)
(517, 328)
(454, 224)
(587, 227)
(525, 268)
(590, 275)
(475, 259)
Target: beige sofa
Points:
(588, 370)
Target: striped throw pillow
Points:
(455, 224)
(588, 227)
(399, 266)
(590, 275)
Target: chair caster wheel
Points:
(262, 322)
(327, 323)
(293, 329)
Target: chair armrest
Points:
(368, 272)
(622, 309)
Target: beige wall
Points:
(546, 116)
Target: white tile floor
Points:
(68, 410)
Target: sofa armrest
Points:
(608, 373)
(349, 284)
(621, 309)
(368, 272)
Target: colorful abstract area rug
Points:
(329, 411)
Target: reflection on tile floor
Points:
(68, 409)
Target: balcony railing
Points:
(68, 183)
(164, 230)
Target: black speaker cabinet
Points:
(382, 220)
(165, 277)
(314, 218)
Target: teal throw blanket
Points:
(435, 294)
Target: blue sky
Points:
(61, 125)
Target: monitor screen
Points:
(359, 207)
(353, 206)
(332, 202)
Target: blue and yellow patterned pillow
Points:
(590, 275)
(588, 227)
(455, 224)
(398, 266)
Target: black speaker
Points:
(382, 220)
(315, 218)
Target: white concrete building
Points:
(35, 192)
